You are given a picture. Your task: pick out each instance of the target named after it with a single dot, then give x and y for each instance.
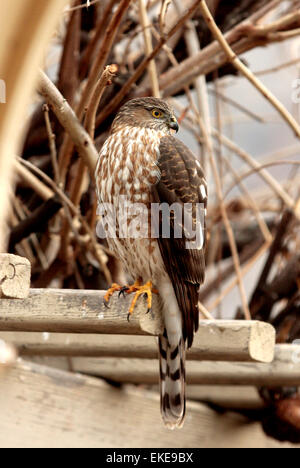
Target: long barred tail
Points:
(172, 381)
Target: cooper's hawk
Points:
(142, 163)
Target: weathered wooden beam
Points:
(76, 311)
(283, 371)
(15, 275)
(67, 311)
(57, 409)
(220, 340)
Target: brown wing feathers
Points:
(181, 181)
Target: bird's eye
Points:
(157, 113)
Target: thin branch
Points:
(89, 124)
(68, 73)
(31, 179)
(239, 65)
(276, 247)
(97, 68)
(248, 254)
(34, 238)
(52, 145)
(108, 74)
(207, 315)
(35, 221)
(69, 121)
(91, 48)
(253, 205)
(162, 14)
(212, 56)
(193, 47)
(259, 169)
(268, 71)
(227, 224)
(277, 25)
(237, 105)
(283, 35)
(80, 182)
(148, 48)
(113, 105)
(256, 167)
(246, 268)
(265, 175)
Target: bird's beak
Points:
(173, 124)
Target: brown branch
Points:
(232, 57)
(108, 74)
(265, 175)
(32, 181)
(259, 295)
(212, 56)
(80, 181)
(245, 270)
(95, 247)
(226, 221)
(68, 80)
(116, 101)
(107, 42)
(52, 145)
(69, 121)
(148, 46)
(237, 105)
(210, 287)
(92, 46)
(258, 169)
(36, 222)
(275, 26)
(252, 203)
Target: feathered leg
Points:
(172, 361)
(172, 383)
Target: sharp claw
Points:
(149, 310)
(106, 304)
(128, 318)
(122, 292)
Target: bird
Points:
(143, 163)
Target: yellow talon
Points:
(115, 287)
(137, 288)
(121, 289)
(143, 289)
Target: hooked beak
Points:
(173, 124)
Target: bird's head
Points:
(147, 113)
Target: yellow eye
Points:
(157, 113)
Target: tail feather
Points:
(172, 381)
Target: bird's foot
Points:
(145, 289)
(139, 289)
(130, 289)
(122, 290)
(114, 288)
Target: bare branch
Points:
(148, 47)
(232, 57)
(69, 121)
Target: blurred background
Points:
(245, 134)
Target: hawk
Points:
(144, 163)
